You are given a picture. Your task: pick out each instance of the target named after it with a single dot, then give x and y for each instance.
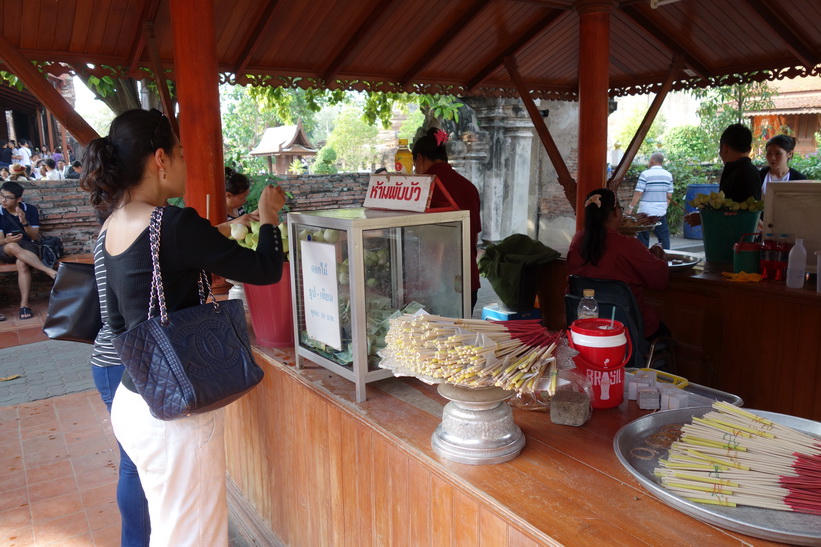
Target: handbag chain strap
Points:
(157, 295)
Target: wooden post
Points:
(195, 64)
(40, 130)
(594, 49)
(45, 92)
(641, 132)
(50, 124)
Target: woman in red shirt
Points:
(600, 251)
(431, 158)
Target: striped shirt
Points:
(103, 354)
(656, 183)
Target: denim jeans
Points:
(662, 232)
(136, 525)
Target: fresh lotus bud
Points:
(303, 235)
(316, 235)
(238, 231)
(331, 236)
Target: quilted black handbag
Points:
(192, 360)
(73, 306)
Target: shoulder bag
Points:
(73, 306)
(192, 360)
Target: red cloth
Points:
(466, 196)
(624, 259)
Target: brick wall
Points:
(339, 191)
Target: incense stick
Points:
(513, 355)
(732, 457)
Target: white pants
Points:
(182, 469)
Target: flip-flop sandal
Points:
(25, 313)
(2, 317)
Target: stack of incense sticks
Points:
(732, 457)
(513, 355)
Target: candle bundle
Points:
(513, 355)
(732, 457)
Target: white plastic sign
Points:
(399, 192)
(320, 292)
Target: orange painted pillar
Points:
(594, 63)
(195, 65)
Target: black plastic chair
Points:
(610, 295)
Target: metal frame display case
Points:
(352, 270)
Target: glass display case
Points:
(352, 270)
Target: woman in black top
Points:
(133, 170)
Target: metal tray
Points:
(786, 527)
(633, 230)
(702, 395)
(689, 260)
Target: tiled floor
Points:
(16, 332)
(58, 473)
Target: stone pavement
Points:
(47, 369)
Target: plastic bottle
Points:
(782, 253)
(767, 264)
(797, 267)
(403, 159)
(588, 307)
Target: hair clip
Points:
(441, 137)
(595, 198)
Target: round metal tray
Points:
(633, 230)
(678, 261)
(786, 527)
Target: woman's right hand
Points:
(271, 201)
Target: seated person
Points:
(51, 172)
(601, 252)
(19, 229)
(75, 171)
(237, 188)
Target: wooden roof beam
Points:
(643, 129)
(795, 42)
(379, 8)
(148, 15)
(44, 92)
(542, 25)
(664, 38)
(159, 77)
(254, 38)
(467, 15)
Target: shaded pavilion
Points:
(282, 145)
(585, 50)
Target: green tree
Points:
(325, 161)
(725, 105)
(353, 139)
(653, 137)
(688, 143)
(243, 124)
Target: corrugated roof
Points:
(431, 46)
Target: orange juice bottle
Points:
(403, 159)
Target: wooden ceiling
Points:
(435, 46)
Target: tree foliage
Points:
(726, 105)
(325, 161)
(353, 140)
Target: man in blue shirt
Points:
(653, 194)
(19, 229)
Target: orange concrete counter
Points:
(323, 470)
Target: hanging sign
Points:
(399, 192)
(319, 292)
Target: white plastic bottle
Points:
(588, 307)
(797, 265)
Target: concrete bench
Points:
(86, 258)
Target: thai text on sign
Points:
(320, 292)
(399, 192)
